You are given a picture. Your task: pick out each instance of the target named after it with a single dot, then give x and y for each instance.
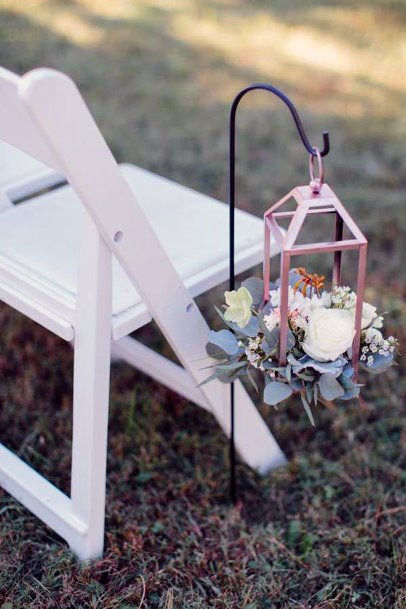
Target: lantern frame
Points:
(311, 202)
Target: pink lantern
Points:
(316, 198)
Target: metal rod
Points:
(338, 236)
(233, 478)
(362, 263)
(311, 150)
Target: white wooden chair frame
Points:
(22, 176)
(44, 115)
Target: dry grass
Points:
(326, 532)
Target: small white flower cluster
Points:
(256, 356)
(374, 344)
(252, 352)
(343, 297)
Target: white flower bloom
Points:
(378, 323)
(300, 322)
(373, 335)
(239, 306)
(251, 351)
(326, 299)
(368, 314)
(299, 302)
(330, 333)
(343, 297)
(275, 296)
(272, 320)
(316, 302)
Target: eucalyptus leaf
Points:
(255, 286)
(335, 367)
(226, 376)
(309, 392)
(270, 341)
(296, 384)
(329, 387)
(267, 308)
(346, 382)
(380, 363)
(265, 346)
(251, 329)
(349, 394)
(252, 380)
(224, 339)
(308, 410)
(231, 365)
(348, 370)
(305, 376)
(209, 378)
(269, 365)
(262, 326)
(214, 352)
(233, 375)
(275, 392)
(291, 340)
(274, 338)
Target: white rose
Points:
(378, 323)
(329, 334)
(368, 314)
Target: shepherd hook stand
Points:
(312, 151)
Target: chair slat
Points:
(17, 126)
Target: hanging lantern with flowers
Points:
(299, 337)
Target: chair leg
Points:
(91, 395)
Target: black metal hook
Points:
(311, 150)
(271, 89)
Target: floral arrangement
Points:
(320, 336)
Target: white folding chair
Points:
(21, 175)
(94, 261)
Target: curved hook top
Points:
(265, 87)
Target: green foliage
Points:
(275, 392)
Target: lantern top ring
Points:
(316, 182)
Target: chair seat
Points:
(22, 175)
(39, 242)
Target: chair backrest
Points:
(17, 126)
(44, 115)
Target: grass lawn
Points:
(327, 531)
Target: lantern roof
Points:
(309, 203)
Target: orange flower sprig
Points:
(314, 281)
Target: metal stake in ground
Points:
(312, 150)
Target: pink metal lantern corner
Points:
(316, 198)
